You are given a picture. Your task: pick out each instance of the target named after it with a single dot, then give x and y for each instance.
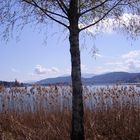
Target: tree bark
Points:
(77, 132)
(77, 98)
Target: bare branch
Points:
(93, 8)
(101, 17)
(63, 4)
(46, 12)
(57, 21)
(62, 7)
(56, 14)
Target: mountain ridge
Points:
(107, 78)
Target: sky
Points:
(38, 55)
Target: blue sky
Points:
(37, 56)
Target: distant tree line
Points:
(12, 84)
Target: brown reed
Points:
(110, 114)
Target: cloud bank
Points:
(129, 62)
(40, 70)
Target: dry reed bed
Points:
(110, 114)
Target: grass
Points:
(110, 114)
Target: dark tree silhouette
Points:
(76, 16)
(16, 83)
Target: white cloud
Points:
(54, 69)
(40, 70)
(132, 54)
(109, 24)
(129, 62)
(132, 60)
(83, 67)
(133, 65)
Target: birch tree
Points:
(76, 16)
